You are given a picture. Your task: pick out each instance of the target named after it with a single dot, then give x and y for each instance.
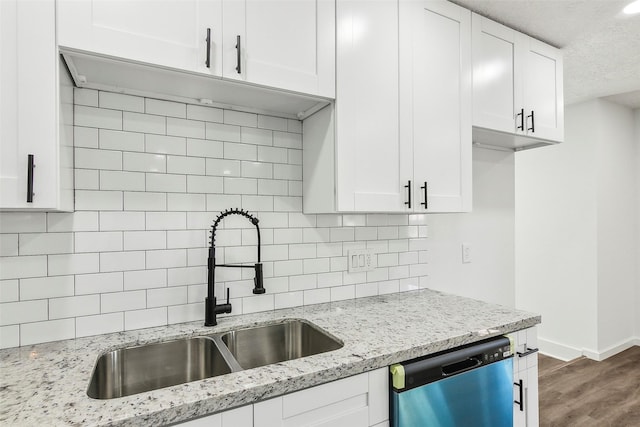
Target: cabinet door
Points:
(288, 44)
(369, 173)
(169, 33)
(239, 417)
(28, 104)
(543, 90)
(436, 96)
(497, 80)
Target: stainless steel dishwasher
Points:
(470, 386)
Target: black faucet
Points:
(211, 307)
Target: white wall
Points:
(576, 239)
(489, 229)
(556, 250)
(617, 222)
(637, 142)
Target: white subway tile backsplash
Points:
(123, 301)
(89, 200)
(147, 123)
(23, 266)
(287, 140)
(166, 183)
(9, 291)
(146, 201)
(97, 117)
(142, 240)
(205, 114)
(19, 222)
(204, 184)
(163, 297)
(46, 287)
(148, 188)
(256, 136)
(45, 243)
(163, 144)
(100, 324)
(185, 165)
(240, 118)
(85, 97)
(119, 101)
(167, 258)
(236, 151)
(204, 148)
(85, 305)
(145, 279)
(120, 140)
(139, 319)
(220, 132)
(122, 261)
(165, 108)
(98, 283)
(118, 180)
(13, 313)
(9, 336)
(53, 330)
(87, 179)
(85, 137)
(120, 221)
(143, 162)
(186, 128)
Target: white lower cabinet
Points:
(525, 378)
(358, 401)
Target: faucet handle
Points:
(227, 295)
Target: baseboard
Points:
(566, 353)
(557, 350)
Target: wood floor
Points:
(583, 392)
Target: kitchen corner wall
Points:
(151, 176)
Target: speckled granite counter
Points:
(46, 384)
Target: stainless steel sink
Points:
(149, 367)
(291, 339)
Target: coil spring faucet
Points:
(212, 309)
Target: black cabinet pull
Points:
(528, 352)
(238, 48)
(408, 187)
(533, 127)
(208, 60)
(520, 402)
(425, 203)
(521, 114)
(30, 166)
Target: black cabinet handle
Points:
(520, 402)
(30, 166)
(521, 114)
(528, 352)
(408, 187)
(533, 127)
(425, 203)
(208, 60)
(238, 48)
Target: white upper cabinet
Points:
(285, 44)
(435, 104)
(288, 44)
(368, 146)
(169, 33)
(36, 111)
(517, 86)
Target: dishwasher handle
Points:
(462, 366)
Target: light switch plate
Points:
(466, 253)
(362, 260)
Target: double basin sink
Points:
(149, 367)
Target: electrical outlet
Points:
(466, 253)
(361, 260)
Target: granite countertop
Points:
(46, 384)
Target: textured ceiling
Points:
(601, 45)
